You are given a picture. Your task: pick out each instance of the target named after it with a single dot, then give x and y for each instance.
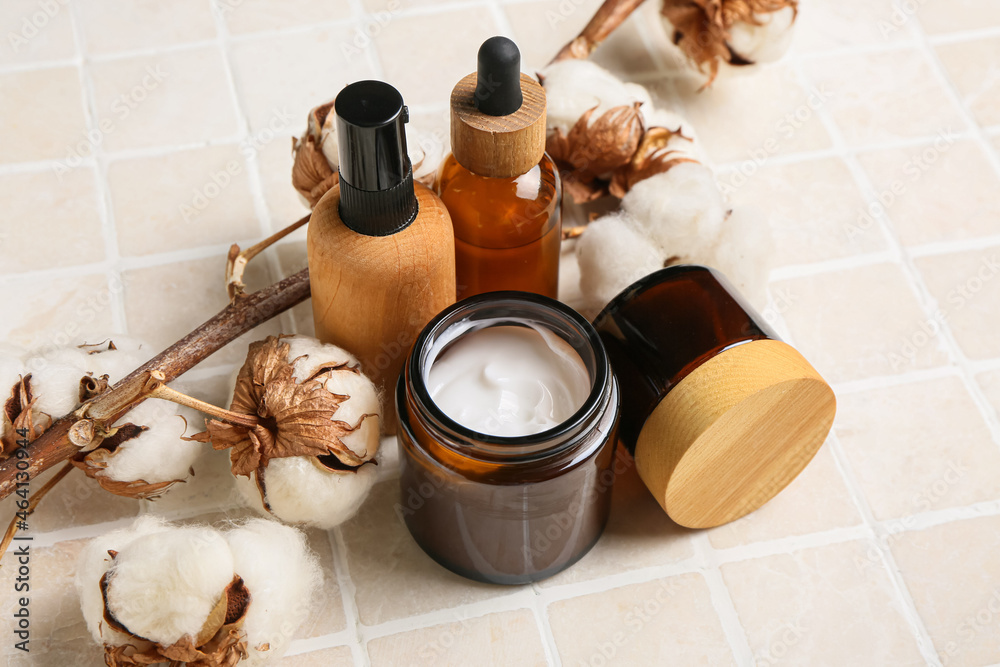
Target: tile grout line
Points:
(540, 612)
(903, 596)
(106, 209)
(722, 601)
(950, 342)
(243, 122)
(358, 645)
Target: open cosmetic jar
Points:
(507, 509)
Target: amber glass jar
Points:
(719, 414)
(506, 510)
(507, 230)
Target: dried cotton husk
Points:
(311, 458)
(712, 33)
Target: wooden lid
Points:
(498, 146)
(734, 432)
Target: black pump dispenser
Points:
(376, 178)
(498, 77)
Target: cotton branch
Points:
(244, 313)
(610, 15)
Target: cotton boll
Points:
(743, 254)
(64, 356)
(93, 562)
(680, 210)
(11, 371)
(164, 585)
(683, 146)
(328, 140)
(427, 151)
(130, 353)
(308, 355)
(300, 492)
(361, 410)
(766, 42)
(612, 255)
(56, 388)
(157, 454)
(572, 87)
(282, 575)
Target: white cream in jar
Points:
(509, 381)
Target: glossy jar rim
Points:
(504, 308)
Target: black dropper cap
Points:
(376, 179)
(498, 77)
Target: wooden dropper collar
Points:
(491, 134)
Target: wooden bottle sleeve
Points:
(372, 295)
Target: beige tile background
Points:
(139, 139)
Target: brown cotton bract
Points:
(612, 153)
(701, 28)
(294, 418)
(312, 175)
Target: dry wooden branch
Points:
(244, 313)
(236, 262)
(610, 15)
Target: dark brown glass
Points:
(506, 510)
(666, 325)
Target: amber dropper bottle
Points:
(500, 187)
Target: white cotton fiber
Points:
(299, 492)
(282, 576)
(572, 87)
(56, 388)
(363, 401)
(743, 254)
(163, 586)
(427, 151)
(680, 210)
(167, 579)
(64, 356)
(93, 562)
(118, 363)
(158, 454)
(308, 355)
(612, 255)
(766, 42)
